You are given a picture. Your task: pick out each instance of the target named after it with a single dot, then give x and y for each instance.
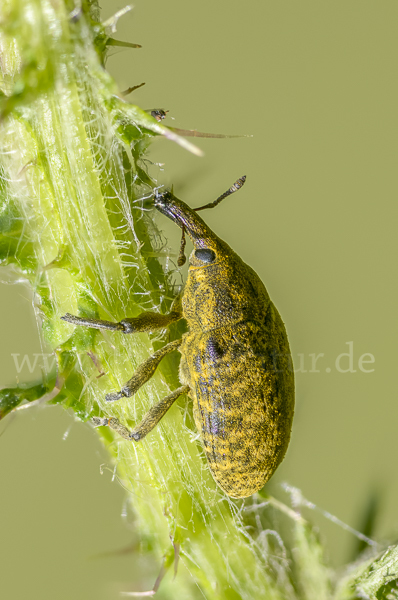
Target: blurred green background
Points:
(315, 83)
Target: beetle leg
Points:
(182, 259)
(146, 321)
(150, 420)
(143, 373)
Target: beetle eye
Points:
(205, 255)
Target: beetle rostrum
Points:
(235, 359)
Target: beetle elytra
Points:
(235, 359)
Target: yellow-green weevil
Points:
(235, 359)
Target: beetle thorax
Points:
(216, 295)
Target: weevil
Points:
(235, 359)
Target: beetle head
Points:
(208, 247)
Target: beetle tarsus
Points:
(99, 422)
(114, 396)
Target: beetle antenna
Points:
(182, 259)
(234, 188)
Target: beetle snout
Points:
(185, 217)
(174, 209)
(159, 196)
(164, 204)
(161, 199)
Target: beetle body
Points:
(235, 359)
